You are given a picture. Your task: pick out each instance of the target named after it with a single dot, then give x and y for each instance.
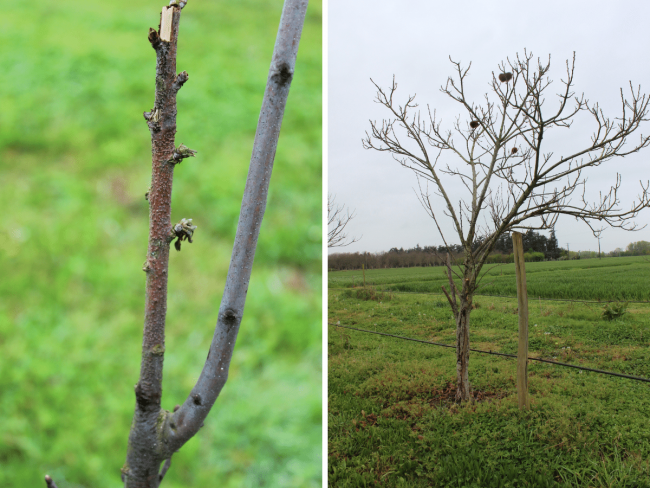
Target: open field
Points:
(625, 278)
(75, 163)
(392, 420)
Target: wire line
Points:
(601, 371)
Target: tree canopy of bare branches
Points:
(513, 181)
(338, 217)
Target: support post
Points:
(599, 256)
(522, 300)
(363, 268)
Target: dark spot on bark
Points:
(284, 74)
(139, 395)
(176, 408)
(230, 318)
(196, 398)
(145, 395)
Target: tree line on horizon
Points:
(537, 247)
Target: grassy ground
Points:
(626, 278)
(75, 163)
(392, 420)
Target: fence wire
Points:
(557, 363)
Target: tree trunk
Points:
(464, 309)
(462, 349)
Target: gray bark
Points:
(185, 422)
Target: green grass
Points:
(625, 278)
(75, 163)
(393, 422)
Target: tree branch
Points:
(145, 447)
(336, 223)
(165, 468)
(185, 422)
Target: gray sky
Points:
(413, 40)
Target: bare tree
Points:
(337, 219)
(512, 181)
(156, 434)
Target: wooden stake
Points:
(363, 267)
(522, 300)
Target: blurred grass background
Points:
(75, 162)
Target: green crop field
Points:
(392, 418)
(625, 278)
(75, 163)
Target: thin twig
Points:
(163, 471)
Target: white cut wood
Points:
(166, 24)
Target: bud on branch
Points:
(183, 230)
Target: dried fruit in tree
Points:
(505, 77)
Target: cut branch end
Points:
(166, 24)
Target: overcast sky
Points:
(413, 40)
